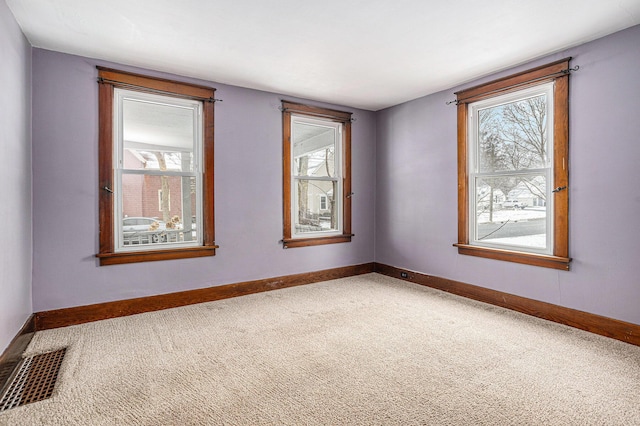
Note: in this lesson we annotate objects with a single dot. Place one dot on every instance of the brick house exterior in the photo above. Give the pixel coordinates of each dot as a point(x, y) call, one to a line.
point(141, 193)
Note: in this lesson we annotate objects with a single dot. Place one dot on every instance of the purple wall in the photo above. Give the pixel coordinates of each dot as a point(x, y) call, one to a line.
point(416, 200)
point(404, 177)
point(248, 185)
point(15, 178)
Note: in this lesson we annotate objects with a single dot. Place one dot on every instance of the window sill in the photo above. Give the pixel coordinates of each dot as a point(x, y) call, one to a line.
point(154, 255)
point(316, 241)
point(545, 261)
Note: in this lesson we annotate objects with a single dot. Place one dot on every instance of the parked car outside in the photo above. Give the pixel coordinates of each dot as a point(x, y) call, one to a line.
point(143, 230)
point(513, 204)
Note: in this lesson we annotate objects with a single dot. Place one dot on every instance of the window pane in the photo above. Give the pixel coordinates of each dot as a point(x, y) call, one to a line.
point(513, 136)
point(512, 211)
point(157, 136)
point(313, 149)
point(155, 210)
point(313, 213)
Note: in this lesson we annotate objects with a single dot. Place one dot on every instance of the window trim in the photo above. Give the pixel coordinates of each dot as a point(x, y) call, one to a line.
point(108, 79)
point(557, 72)
point(289, 108)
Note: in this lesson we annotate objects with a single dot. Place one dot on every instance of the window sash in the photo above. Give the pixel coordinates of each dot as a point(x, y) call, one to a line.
point(475, 174)
point(120, 96)
point(337, 175)
point(474, 223)
point(295, 204)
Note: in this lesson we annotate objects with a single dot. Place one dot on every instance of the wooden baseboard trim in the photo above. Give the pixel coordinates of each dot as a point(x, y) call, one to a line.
point(83, 314)
point(604, 326)
point(13, 354)
point(609, 327)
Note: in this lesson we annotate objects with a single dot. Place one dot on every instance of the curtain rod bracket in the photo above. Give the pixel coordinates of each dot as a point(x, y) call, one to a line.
point(568, 71)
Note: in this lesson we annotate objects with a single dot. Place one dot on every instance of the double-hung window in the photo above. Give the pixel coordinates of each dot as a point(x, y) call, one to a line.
point(317, 176)
point(156, 169)
point(513, 168)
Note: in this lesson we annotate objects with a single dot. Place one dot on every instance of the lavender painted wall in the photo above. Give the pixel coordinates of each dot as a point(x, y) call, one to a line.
point(248, 176)
point(416, 214)
point(15, 175)
point(411, 190)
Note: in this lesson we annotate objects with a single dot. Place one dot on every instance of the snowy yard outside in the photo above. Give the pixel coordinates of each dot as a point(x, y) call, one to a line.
point(514, 215)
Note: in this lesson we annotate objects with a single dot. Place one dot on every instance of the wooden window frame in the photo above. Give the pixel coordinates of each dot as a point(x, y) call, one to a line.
point(558, 73)
point(289, 108)
point(108, 80)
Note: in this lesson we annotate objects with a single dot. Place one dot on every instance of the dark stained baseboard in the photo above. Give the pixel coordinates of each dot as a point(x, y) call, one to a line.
point(609, 327)
point(83, 314)
point(616, 329)
point(13, 354)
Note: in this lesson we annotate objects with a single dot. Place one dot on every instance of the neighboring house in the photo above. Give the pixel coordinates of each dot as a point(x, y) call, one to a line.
point(525, 195)
point(142, 194)
point(320, 195)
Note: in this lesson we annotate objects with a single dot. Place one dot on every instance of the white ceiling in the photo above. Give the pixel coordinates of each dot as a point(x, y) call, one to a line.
point(368, 54)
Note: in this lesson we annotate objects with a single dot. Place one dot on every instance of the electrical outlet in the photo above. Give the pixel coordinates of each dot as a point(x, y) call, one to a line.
point(404, 275)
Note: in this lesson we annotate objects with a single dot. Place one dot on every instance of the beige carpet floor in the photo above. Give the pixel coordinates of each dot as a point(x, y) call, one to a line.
point(366, 350)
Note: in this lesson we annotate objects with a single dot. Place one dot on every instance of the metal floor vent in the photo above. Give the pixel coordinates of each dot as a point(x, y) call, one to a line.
point(34, 380)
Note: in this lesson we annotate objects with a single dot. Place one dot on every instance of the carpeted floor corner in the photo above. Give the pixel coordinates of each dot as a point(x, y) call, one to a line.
point(365, 350)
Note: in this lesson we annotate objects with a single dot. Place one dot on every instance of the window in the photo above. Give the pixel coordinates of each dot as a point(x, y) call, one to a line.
point(155, 140)
point(513, 168)
point(316, 175)
point(323, 203)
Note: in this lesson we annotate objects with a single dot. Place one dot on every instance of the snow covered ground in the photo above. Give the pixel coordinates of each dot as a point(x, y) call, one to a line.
point(514, 215)
point(537, 241)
